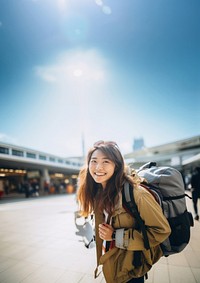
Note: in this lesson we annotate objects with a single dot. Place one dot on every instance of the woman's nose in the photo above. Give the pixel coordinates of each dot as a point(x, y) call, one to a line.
point(99, 166)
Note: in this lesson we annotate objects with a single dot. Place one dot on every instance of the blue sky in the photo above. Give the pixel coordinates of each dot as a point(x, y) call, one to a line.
point(113, 70)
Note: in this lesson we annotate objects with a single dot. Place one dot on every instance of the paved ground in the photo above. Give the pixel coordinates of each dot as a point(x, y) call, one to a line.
point(40, 243)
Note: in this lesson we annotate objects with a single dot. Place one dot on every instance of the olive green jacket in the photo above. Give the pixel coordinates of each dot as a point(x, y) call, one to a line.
point(117, 263)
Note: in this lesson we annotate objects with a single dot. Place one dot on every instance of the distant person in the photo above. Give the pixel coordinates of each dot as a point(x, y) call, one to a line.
point(27, 189)
point(119, 245)
point(46, 187)
point(6, 187)
point(195, 184)
point(35, 186)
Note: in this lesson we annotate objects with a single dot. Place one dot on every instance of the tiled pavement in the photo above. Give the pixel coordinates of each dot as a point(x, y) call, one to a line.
point(40, 243)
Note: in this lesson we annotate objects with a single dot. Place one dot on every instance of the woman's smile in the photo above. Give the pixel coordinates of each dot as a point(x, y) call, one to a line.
point(100, 174)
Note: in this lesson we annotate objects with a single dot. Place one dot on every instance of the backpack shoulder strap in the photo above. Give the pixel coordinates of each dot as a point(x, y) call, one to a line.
point(129, 202)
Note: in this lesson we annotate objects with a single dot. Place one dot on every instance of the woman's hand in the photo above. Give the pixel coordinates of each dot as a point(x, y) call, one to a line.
point(105, 231)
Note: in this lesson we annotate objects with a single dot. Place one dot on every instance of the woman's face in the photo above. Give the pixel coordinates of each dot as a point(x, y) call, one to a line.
point(101, 168)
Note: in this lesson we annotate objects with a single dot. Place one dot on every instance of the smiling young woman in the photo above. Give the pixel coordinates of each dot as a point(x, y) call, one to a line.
point(118, 242)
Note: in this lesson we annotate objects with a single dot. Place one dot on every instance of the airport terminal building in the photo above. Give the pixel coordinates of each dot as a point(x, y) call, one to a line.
point(21, 167)
point(182, 154)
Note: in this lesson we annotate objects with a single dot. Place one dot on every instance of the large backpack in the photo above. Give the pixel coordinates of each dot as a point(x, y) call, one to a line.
point(166, 184)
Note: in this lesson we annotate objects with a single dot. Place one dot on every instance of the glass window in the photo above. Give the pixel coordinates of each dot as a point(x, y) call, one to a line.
point(4, 150)
point(42, 157)
point(30, 155)
point(17, 152)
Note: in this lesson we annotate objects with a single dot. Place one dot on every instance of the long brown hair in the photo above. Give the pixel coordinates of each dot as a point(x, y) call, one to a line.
point(90, 192)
